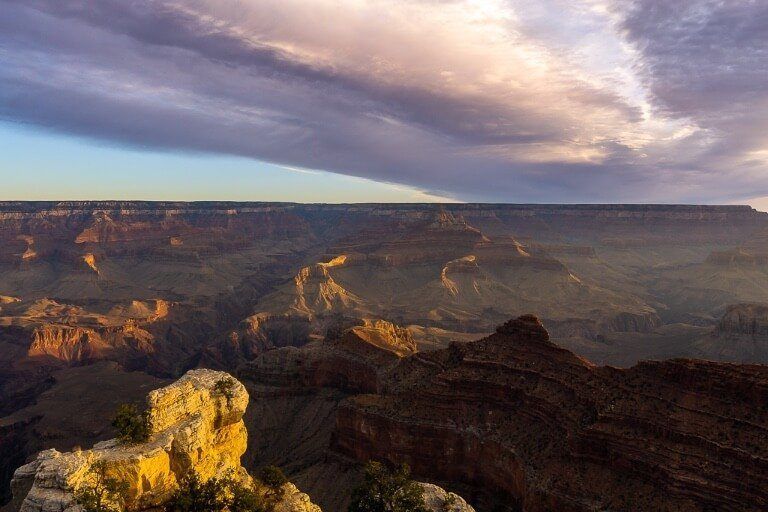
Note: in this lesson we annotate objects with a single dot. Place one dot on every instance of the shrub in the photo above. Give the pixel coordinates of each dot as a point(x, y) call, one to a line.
point(384, 490)
point(225, 387)
point(244, 499)
point(132, 426)
point(274, 478)
point(215, 495)
point(194, 495)
point(105, 494)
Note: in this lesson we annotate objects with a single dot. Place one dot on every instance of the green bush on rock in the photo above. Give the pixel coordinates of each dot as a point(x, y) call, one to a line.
point(104, 494)
point(385, 490)
point(132, 426)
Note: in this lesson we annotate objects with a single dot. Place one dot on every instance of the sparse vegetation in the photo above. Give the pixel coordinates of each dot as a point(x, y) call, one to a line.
point(104, 494)
point(226, 388)
point(385, 490)
point(274, 478)
point(450, 502)
point(194, 495)
point(243, 499)
point(132, 425)
point(227, 494)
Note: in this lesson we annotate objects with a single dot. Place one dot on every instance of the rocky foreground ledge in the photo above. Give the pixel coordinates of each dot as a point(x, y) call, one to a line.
point(194, 427)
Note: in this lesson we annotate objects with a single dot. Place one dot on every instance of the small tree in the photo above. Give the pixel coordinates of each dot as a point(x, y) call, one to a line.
point(132, 426)
point(216, 495)
point(243, 498)
point(194, 495)
point(383, 490)
point(226, 388)
point(274, 478)
point(104, 494)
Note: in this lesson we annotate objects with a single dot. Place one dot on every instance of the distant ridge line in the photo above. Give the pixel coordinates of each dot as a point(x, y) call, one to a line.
point(731, 214)
point(122, 204)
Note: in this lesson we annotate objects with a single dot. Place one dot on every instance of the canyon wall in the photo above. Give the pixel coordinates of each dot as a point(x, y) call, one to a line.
point(516, 416)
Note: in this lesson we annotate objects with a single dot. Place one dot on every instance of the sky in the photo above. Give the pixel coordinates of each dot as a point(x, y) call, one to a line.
point(617, 101)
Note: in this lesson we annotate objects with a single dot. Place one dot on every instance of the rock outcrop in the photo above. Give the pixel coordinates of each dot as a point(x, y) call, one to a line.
point(745, 319)
point(438, 499)
point(354, 359)
point(740, 336)
point(195, 426)
point(376, 336)
point(532, 426)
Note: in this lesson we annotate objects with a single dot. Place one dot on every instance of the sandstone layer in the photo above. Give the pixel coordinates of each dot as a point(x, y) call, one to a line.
point(355, 359)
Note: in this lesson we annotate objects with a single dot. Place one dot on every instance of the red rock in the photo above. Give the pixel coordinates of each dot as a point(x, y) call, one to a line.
point(515, 414)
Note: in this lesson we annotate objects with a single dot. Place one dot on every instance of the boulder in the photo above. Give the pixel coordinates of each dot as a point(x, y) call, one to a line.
point(438, 499)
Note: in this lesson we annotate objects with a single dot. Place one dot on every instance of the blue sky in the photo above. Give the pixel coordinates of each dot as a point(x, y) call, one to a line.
point(40, 165)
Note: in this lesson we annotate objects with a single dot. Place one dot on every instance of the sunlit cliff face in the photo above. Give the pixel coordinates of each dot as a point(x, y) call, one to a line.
point(621, 100)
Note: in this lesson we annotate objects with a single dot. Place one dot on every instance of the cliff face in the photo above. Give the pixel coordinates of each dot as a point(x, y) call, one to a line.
point(745, 319)
point(354, 359)
point(516, 416)
point(65, 343)
point(740, 336)
point(194, 427)
point(42, 336)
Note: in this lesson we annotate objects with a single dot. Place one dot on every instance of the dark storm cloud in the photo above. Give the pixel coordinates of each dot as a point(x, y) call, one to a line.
point(471, 117)
point(702, 58)
point(437, 96)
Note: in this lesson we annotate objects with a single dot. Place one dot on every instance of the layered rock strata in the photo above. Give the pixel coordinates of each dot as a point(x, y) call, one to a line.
point(740, 336)
point(354, 359)
point(537, 428)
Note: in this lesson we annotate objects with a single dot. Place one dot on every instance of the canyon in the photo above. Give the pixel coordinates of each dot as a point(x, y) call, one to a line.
point(354, 329)
point(514, 422)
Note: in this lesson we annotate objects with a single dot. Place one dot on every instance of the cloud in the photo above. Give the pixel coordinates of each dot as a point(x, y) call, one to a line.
point(706, 62)
point(477, 100)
